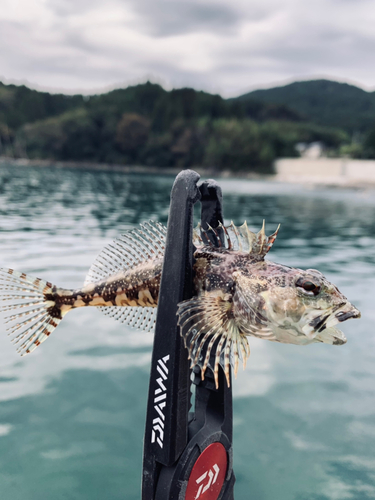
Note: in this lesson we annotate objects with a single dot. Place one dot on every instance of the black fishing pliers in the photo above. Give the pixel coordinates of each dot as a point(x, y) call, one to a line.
point(188, 438)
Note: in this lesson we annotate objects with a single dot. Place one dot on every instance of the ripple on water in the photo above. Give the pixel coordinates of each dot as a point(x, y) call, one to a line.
point(72, 414)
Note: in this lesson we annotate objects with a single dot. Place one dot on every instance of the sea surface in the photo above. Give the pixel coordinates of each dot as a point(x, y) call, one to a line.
point(72, 413)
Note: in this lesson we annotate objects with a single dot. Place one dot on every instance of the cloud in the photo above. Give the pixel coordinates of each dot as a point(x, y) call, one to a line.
point(66, 8)
point(215, 45)
point(171, 17)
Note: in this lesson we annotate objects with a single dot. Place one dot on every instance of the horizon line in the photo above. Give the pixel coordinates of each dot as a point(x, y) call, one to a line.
point(158, 81)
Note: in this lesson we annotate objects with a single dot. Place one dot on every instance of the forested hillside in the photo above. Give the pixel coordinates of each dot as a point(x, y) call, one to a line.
point(147, 125)
point(324, 102)
point(20, 105)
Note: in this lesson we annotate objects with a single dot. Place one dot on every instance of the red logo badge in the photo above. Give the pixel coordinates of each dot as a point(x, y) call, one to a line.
point(208, 474)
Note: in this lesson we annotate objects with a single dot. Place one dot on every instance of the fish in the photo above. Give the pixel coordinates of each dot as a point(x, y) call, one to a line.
point(237, 294)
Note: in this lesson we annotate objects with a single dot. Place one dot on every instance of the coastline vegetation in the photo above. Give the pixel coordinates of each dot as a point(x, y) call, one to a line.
point(147, 125)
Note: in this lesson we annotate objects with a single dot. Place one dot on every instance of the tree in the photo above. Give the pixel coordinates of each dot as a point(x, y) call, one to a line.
point(132, 132)
point(369, 145)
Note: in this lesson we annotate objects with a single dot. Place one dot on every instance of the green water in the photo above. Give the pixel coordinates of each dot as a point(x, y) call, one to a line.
point(72, 413)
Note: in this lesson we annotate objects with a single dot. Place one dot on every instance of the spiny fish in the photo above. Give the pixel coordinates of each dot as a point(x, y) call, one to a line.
point(237, 293)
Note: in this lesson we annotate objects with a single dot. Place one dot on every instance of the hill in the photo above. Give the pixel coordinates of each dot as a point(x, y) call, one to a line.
point(323, 102)
point(20, 105)
point(145, 124)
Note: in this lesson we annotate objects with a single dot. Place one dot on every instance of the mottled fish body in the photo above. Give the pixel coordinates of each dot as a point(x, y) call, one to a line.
point(134, 287)
point(236, 294)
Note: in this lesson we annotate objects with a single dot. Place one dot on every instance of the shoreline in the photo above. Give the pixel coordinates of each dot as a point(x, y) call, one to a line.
point(131, 169)
point(291, 176)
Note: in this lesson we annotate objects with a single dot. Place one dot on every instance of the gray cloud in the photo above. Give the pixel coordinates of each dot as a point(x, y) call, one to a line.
point(66, 8)
point(215, 45)
point(171, 17)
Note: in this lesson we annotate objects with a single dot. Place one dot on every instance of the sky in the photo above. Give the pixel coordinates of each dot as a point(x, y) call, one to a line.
point(222, 46)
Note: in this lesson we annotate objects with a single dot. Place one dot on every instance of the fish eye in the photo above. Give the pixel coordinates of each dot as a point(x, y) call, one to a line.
point(308, 286)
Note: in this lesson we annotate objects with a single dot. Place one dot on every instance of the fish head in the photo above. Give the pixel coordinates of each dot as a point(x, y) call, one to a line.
point(303, 306)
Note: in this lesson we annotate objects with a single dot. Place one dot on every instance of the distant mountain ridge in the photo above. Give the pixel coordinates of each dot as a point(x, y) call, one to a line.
point(323, 102)
point(20, 105)
point(147, 125)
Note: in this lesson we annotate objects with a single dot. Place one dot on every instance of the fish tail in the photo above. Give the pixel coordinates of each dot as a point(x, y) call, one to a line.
point(33, 312)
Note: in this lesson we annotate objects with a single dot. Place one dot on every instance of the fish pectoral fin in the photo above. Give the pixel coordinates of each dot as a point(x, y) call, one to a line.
point(259, 331)
point(211, 334)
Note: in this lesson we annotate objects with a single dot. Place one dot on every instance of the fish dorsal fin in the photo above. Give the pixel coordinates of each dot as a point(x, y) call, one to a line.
point(237, 238)
point(129, 250)
point(126, 251)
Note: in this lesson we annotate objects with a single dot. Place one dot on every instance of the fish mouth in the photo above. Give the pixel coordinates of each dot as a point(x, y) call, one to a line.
point(328, 319)
point(343, 316)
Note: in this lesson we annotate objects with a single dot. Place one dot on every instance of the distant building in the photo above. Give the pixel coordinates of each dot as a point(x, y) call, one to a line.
point(311, 150)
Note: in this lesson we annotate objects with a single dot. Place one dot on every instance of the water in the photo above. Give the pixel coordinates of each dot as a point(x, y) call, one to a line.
point(72, 413)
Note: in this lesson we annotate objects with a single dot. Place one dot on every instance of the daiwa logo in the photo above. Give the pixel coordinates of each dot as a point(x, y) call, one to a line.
point(160, 400)
point(210, 480)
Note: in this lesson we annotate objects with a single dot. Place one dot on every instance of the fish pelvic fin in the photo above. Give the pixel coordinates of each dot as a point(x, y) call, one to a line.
point(33, 313)
point(211, 334)
point(237, 238)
